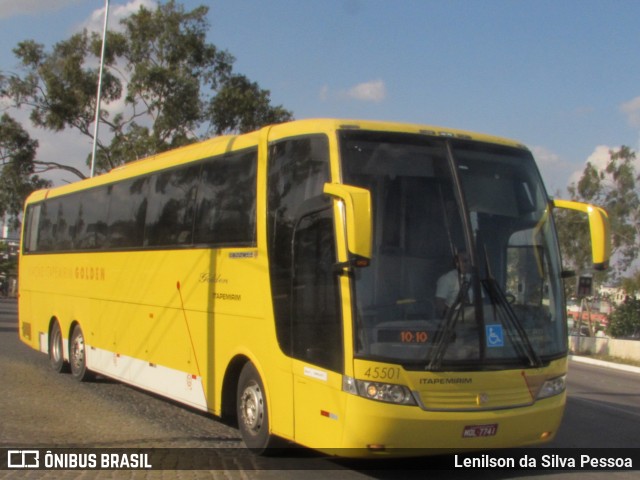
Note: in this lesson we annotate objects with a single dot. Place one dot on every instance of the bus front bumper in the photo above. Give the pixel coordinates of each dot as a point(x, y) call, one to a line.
point(379, 429)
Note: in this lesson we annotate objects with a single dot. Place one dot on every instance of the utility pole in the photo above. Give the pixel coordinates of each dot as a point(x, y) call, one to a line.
point(584, 291)
point(99, 94)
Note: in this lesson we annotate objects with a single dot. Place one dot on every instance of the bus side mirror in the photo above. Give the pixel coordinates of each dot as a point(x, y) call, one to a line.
point(357, 219)
point(598, 227)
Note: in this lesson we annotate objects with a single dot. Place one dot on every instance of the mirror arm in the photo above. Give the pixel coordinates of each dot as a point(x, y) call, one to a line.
point(598, 227)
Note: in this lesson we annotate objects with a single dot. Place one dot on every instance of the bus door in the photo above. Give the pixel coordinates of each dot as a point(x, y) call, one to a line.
point(316, 327)
point(304, 287)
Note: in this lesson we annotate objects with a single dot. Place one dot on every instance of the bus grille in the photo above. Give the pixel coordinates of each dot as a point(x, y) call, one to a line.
point(493, 399)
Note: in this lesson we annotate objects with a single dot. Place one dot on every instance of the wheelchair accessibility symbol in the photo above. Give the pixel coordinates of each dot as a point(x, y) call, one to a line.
point(495, 335)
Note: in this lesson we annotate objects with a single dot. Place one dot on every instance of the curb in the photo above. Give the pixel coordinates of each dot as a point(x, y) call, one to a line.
point(601, 363)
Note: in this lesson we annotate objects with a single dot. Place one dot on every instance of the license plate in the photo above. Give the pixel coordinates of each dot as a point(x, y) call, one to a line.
point(474, 431)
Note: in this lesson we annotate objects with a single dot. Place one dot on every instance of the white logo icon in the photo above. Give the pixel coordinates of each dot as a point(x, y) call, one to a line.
point(23, 459)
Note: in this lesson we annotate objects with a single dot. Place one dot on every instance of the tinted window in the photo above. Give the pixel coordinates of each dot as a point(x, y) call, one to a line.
point(316, 326)
point(91, 224)
point(171, 207)
point(298, 170)
point(30, 241)
point(127, 210)
point(68, 209)
point(226, 213)
point(45, 227)
point(57, 224)
point(211, 202)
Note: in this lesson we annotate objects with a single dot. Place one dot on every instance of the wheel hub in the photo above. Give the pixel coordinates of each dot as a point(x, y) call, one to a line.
point(56, 350)
point(77, 351)
point(252, 407)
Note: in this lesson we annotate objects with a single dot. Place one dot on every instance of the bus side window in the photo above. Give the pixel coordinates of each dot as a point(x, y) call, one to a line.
point(226, 205)
point(127, 211)
point(298, 169)
point(65, 213)
point(31, 228)
point(91, 223)
point(45, 228)
point(171, 207)
point(316, 326)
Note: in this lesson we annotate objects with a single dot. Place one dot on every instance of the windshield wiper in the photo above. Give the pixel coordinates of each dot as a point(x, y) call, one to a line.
point(510, 319)
point(503, 312)
point(447, 332)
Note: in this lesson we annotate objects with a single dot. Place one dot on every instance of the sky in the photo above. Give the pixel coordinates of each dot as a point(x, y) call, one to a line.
point(561, 76)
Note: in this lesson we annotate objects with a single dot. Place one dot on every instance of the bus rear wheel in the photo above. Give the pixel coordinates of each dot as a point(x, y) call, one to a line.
point(56, 349)
point(253, 414)
point(78, 355)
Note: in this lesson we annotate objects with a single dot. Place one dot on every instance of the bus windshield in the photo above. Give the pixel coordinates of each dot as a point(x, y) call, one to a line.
point(465, 267)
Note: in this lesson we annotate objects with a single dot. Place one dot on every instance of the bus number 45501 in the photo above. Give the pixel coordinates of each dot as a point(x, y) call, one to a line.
point(382, 373)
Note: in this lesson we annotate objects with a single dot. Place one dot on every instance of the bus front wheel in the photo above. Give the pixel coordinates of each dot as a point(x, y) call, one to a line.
point(253, 414)
point(78, 355)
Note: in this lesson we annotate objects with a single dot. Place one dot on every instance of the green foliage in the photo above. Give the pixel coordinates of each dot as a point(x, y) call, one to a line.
point(625, 320)
point(573, 231)
point(242, 105)
point(631, 284)
point(615, 189)
point(17, 178)
point(162, 84)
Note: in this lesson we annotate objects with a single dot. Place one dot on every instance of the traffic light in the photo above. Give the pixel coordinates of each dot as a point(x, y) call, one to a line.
point(585, 286)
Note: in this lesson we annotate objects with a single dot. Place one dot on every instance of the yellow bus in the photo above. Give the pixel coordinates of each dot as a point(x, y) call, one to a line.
point(357, 287)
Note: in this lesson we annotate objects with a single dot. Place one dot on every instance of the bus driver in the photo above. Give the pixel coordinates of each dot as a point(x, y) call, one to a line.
point(449, 284)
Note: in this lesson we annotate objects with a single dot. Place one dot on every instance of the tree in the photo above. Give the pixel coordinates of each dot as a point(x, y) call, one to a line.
point(242, 105)
point(625, 320)
point(163, 86)
point(17, 167)
point(631, 284)
point(615, 189)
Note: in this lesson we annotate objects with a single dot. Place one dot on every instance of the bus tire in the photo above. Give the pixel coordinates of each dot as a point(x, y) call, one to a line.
point(78, 355)
point(253, 414)
point(56, 349)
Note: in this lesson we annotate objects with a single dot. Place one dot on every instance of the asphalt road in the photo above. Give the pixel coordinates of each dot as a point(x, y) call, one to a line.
point(42, 409)
point(603, 408)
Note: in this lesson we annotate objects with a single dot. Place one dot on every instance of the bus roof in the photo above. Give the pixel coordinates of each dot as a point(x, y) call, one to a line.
point(431, 130)
point(227, 143)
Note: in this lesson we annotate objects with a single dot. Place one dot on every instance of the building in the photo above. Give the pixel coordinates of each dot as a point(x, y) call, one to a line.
point(615, 295)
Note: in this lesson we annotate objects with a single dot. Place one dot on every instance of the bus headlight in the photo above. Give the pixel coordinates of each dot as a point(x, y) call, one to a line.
point(552, 387)
point(382, 392)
